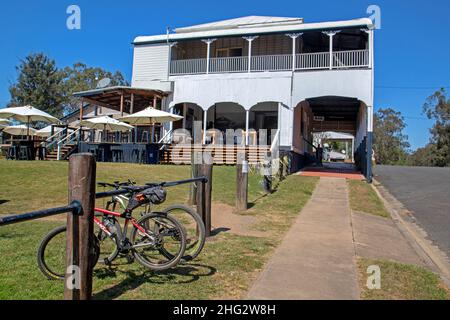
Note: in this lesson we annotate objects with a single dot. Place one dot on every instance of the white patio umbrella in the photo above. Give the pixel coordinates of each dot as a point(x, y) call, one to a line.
point(27, 114)
point(47, 131)
point(21, 130)
point(4, 122)
point(106, 124)
point(150, 116)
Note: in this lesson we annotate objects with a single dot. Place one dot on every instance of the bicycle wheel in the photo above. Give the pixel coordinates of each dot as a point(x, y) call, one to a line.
point(194, 228)
point(109, 250)
point(51, 255)
point(162, 233)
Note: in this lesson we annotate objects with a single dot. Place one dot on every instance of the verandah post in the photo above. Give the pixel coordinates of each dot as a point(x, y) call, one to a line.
point(80, 249)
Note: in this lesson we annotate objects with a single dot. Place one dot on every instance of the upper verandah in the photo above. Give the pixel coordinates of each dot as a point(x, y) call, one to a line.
point(252, 25)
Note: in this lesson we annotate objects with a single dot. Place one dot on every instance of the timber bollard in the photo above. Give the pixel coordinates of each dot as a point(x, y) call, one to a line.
point(204, 195)
point(194, 187)
point(80, 228)
point(242, 183)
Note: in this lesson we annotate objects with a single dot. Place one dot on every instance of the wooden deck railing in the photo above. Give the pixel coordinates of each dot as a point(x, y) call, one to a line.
point(303, 62)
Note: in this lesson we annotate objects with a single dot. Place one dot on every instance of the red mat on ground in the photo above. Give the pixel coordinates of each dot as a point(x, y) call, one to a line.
point(333, 170)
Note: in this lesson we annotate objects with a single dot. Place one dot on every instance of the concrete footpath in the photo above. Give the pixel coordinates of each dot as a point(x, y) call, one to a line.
point(317, 258)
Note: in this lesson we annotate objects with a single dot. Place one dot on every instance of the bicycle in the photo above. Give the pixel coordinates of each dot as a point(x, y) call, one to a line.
point(193, 224)
point(157, 241)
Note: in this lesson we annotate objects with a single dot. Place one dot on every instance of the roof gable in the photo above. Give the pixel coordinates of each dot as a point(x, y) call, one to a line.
point(242, 22)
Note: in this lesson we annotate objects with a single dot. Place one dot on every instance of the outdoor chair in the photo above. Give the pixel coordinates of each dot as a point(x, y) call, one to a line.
point(144, 137)
point(12, 153)
point(117, 155)
point(24, 153)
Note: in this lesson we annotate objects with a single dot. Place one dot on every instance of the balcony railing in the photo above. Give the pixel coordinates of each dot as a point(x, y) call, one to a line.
point(351, 59)
point(232, 64)
point(303, 62)
point(191, 66)
point(272, 63)
point(312, 61)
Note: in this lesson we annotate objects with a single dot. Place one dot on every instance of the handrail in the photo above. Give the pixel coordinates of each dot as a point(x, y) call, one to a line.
point(165, 136)
point(167, 184)
point(310, 143)
point(74, 207)
point(69, 136)
point(58, 157)
point(51, 140)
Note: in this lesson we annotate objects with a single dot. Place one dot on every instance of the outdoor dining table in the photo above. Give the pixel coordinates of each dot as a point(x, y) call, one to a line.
point(143, 153)
point(22, 150)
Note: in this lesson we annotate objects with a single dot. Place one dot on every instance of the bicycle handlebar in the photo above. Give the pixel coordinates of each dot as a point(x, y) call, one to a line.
point(129, 188)
point(180, 182)
point(116, 184)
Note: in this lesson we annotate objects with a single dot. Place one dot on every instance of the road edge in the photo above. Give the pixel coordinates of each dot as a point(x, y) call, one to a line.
point(434, 257)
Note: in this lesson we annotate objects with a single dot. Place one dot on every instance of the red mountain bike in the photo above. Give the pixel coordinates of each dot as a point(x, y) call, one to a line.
point(157, 240)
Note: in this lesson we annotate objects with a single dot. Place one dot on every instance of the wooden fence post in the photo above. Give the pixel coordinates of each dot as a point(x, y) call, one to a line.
point(80, 228)
point(204, 195)
point(242, 183)
point(194, 187)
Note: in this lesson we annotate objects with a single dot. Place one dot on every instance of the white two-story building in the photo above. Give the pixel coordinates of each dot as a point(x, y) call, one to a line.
point(273, 73)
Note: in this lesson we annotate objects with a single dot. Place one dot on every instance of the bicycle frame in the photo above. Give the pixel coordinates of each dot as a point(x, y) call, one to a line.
point(121, 201)
point(118, 215)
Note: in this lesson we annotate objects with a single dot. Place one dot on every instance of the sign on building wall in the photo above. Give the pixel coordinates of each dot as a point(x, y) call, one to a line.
point(319, 119)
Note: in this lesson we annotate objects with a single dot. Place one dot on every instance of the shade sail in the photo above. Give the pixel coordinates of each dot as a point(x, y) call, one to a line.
point(27, 114)
point(21, 130)
point(151, 116)
point(106, 124)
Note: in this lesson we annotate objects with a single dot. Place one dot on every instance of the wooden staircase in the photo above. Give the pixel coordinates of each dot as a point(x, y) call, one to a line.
point(222, 155)
point(66, 150)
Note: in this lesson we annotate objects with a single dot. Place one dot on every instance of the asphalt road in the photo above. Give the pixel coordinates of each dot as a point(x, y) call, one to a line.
point(425, 192)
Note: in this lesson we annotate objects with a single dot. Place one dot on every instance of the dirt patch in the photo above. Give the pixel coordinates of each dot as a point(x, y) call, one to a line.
point(224, 219)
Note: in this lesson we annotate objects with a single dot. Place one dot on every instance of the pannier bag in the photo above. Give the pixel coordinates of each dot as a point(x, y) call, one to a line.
point(154, 195)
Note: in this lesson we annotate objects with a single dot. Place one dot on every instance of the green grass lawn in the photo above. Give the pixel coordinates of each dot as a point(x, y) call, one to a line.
point(364, 199)
point(19, 179)
point(402, 282)
point(225, 269)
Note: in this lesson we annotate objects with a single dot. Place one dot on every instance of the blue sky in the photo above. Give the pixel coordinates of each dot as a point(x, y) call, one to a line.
point(412, 48)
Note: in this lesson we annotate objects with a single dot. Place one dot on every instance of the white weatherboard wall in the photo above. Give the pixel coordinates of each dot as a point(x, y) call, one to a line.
point(340, 83)
point(151, 66)
point(246, 90)
point(286, 88)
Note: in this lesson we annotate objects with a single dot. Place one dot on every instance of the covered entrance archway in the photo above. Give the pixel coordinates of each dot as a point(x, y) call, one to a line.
point(343, 115)
point(185, 130)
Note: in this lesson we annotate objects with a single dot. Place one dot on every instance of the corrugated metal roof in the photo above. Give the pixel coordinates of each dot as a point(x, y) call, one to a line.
point(243, 22)
point(256, 29)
